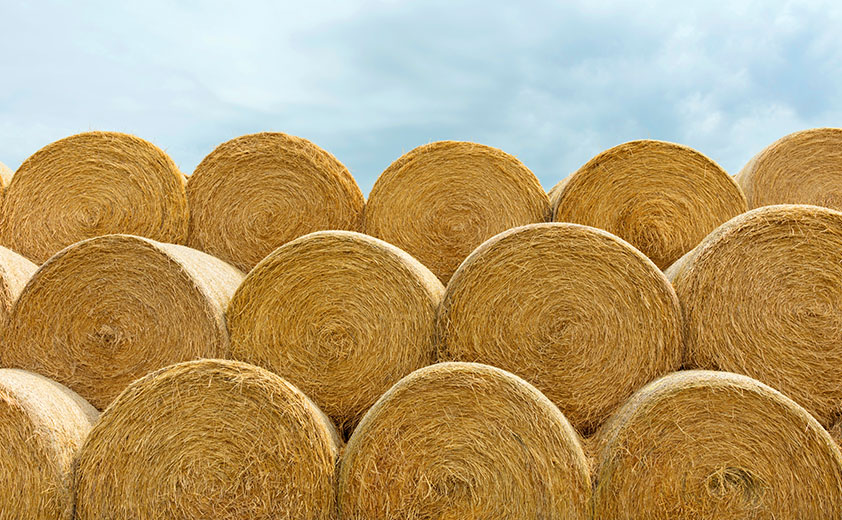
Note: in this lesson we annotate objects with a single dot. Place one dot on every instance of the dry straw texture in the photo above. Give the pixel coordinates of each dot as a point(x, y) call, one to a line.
point(663, 198)
point(572, 309)
point(700, 445)
point(15, 271)
point(463, 441)
point(341, 315)
point(440, 201)
point(762, 296)
point(42, 426)
point(110, 309)
point(800, 168)
point(93, 184)
point(257, 192)
point(209, 439)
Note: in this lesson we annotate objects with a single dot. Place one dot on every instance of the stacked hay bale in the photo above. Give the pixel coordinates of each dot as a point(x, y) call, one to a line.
point(663, 198)
point(257, 192)
point(209, 439)
point(93, 184)
point(15, 271)
point(440, 201)
point(107, 310)
point(462, 440)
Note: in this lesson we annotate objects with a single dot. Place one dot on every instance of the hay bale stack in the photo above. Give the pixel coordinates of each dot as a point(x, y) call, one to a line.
point(463, 440)
point(800, 168)
point(762, 296)
point(110, 309)
point(663, 198)
point(341, 315)
point(209, 439)
point(712, 445)
point(574, 310)
point(440, 201)
point(15, 271)
point(93, 184)
point(257, 192)
point(42, 426)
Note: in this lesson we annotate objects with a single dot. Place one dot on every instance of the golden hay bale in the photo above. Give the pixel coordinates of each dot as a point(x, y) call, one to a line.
point(209, 439)
point(663, 198)
point(257, 192)
point(800, 168)
point(341, 315)
point(42, 426)
point(574, 310)
point(105, 311)
point(762, 296)
point(462, 441)
point(712, 445)
point(441, 200)
point(93, 184)
point(15, 271)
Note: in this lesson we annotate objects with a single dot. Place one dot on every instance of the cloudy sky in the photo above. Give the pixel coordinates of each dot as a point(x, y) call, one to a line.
point(553, 83)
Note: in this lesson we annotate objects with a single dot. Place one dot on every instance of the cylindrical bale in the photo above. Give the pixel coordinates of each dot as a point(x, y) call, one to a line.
point(341, 315)
point(572, 309)
point(440, 201)
point(42, 427)
point(209, 439)
point(93, 184)
point(107, 310)
point(663, 198)
point(700, 445)
point(257, 192)
point(762, 296)
point(15, 271)
point(800, 168)
point(463, 440)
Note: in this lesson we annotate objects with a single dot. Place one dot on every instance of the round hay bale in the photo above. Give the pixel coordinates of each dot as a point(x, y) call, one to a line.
point(463, 440)
point(209, 439)
point(42, 426)
point(441, 200)
point(107, 310)
point(712, 445)
point(800, 168)
point(341, 315)
point(762, 296)
point(15, 271)
point(574, 310)
point(257, 192)
point(93, 184)
point(663, 198)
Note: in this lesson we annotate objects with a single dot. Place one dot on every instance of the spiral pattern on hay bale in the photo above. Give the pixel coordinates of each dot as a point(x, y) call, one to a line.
point(15, 271)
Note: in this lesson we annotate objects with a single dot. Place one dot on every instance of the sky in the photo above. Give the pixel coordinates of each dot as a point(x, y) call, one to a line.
point(553, 83)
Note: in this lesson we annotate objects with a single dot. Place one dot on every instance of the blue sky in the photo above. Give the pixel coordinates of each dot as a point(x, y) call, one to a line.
point(553, 83)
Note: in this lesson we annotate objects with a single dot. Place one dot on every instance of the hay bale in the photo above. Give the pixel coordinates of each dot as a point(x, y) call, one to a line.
point(712, 445)
point(257, 192)
point(93, 184)
point(463, 440)
point(15, 271)
point(574, 310)
point(441, 200)
point(800, 168)
point(341, 315)
point(663, 198)
point(209, 439)
point(762, 296)
point(42, 426)
point(105, 311)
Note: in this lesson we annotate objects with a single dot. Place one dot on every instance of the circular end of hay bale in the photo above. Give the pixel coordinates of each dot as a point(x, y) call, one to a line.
point(92, 184)
point(440, 201)
point(801, 168)
point(105, 311)
point(341, 315)
point(15, 271)
point(574, 310)
point(762, 296)
point(42, 426)
point(463, 440)
point(257, 192)
point(663, 198)
point(713, 445)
